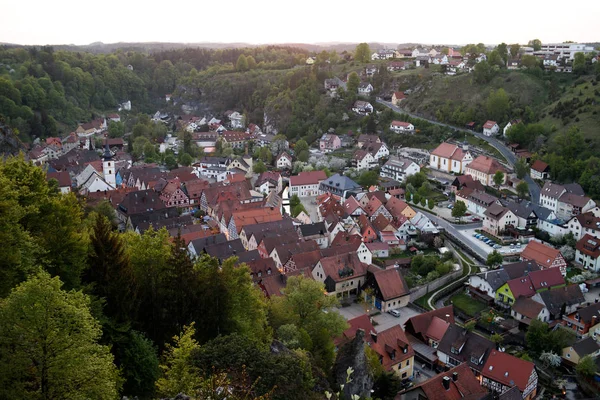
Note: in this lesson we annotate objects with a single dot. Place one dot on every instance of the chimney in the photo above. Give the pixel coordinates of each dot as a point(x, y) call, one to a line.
point(374, 336)
point(446, 383)
point(455, 376)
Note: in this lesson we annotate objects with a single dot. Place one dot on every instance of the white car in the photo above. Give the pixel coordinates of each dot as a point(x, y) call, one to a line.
point(395, 313)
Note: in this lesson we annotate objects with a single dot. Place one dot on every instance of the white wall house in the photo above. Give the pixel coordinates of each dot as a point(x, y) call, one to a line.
point(450, 158)
point(490, 128)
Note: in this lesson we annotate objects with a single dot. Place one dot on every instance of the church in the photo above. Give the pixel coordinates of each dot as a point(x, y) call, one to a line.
point(98, 176)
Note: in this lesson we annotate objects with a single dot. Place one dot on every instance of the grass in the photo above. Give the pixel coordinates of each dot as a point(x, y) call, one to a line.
point(467, 304)
point(482, 144)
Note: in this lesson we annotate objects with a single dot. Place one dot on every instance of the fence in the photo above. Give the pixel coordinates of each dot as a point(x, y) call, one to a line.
point(421, 291)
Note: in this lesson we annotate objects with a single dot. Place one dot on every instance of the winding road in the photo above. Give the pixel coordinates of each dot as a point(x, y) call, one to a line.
point(511, 158)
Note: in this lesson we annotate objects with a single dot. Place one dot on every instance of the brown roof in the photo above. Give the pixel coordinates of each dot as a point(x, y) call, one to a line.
point(360, 154)
point(508, 370)
point(589, 245)
point(485, 164)
point(351, 205)
point(546, 278)
point(401, 124)
point(391, 283)
point(445, 150)
point(256, 216)
point(373, 205)
point(381, 222)
point(419, 323)
point(489, 124)
point(495, 211)
point(540, 253)
point(539, 166)
point(308, 178)
point(63, 178)
point(464, 387)
point(395, 207)
point(527, 307)
point(362, 322)
point(588, 221)
point(304, 260)
point(391, 345)
point(573, 199)
point(437, 328)
point(336, 266)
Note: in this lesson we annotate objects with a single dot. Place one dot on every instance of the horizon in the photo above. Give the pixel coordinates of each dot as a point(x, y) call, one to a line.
point(68, 22)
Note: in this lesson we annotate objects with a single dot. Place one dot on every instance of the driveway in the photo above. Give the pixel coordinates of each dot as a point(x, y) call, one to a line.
point(382, 321)
point(511, 158)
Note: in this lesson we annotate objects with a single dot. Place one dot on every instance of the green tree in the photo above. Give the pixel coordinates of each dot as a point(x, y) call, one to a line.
point(49, 345)
point(522, 189)
point(502, 49)
point(138, 361)
point(430, 204)
point(251, 62)
point(483, 72)
point(587, 367)
point(116, 129)
point(353, 83)
point(459, 209)
point(536, 44)
point(303, 156)
point(186, 160)
point(494, 259)
point(521, 167)
point(514, 50)
point(171, 161)
point(530, 61)
point(497, 338)
point(368, 178)
point(470, 326)
point(499, 178)
point(179, 375)
point(259, 167)
point(498, 105)
point(579, 64)
point(417, 180)
point(362, 53)
point(241, 64)
point(301, 146)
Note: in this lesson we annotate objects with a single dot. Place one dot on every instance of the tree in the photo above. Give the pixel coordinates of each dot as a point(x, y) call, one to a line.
point(303, 156)
point(430, 204)
point(470, 326)
point(300, 146)
point(522, 189)
point(483, 72)
point(138, 361)
point(171, 161)
point(498, 105)
point(459, 209)
point(499, 178)
point(579, 64)
point(521, 167)
point(251, 62)
point(353, 83)
point(550, 359)
point(259, 167)
point(241, 64)
point(502, 49)
point(110, 272)
point(539, 338)
point(186, 160)
point(514, 50)
point(536, 44)
point(567, 252)
point(362, 53)
point(116, 129)
point(417, 180)
point(529, 61)
point(497, 338)
point(49, 344)
point(179, 375)
point(494, 259)
point(586, 367)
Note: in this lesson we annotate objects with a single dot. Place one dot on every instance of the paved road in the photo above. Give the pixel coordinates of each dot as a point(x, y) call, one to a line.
point(511, 158)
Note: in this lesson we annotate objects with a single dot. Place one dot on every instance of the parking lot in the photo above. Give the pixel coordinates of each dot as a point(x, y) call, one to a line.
point(469, 235)
point(382, 321)
point(310, 203)
point(442, 210)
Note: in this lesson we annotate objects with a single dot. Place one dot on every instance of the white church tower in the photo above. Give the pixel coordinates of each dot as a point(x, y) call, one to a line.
point(108, 168)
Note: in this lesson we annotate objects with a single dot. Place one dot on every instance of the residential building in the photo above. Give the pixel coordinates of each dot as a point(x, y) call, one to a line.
point(490, 128)
point(477, 202)
point(235, 139)
point(458, 346)
point(283, 161)
point(388, 287)
point(268, 181)
point(588, 252)
point(306, 184)
point(525, 212)
point(497, 218)
point(419, 325)
point(365, 141)
point(466, 181)
point(63, 180)
point(483, 168)
point(509, 125)
point(316, 232)
point(545, 256)
point(173, 194)
point(450, 158)
point(365, 89)
point(339, 185)
point(343, 275)
point(397, 97)
point(362, 107)
point(394, 351)
point(236, 119)
point(377, 150)
point(539, 170)
point(363, 160)
point(573, 354)
point(584, 224)
point(565, 200)
point(502, 371)
point(399, 168)
point(457, 383)
point(401, 126)
point(567, 50)
point(582, 319)
point(329, 142)
point(526, 310)
point(561, 300)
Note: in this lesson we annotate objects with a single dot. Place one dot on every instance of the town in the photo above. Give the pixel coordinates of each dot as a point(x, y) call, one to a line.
point(458, 258)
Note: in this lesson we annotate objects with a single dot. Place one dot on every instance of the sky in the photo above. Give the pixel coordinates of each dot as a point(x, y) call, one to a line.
point(79, 22)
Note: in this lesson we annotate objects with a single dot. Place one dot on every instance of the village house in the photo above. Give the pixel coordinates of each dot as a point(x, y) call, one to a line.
point(582, 224)
point(235, 139)
point(483, 168)
point(397, 97)
point(236, 120)
point(362, 107)
point(401, 126)
point(339, 185)
point(399, 169)
point(450, 158)
point(420, 326)
point(268, 181)
point(329, 142)
point(365, 89)
point(572, 355)
point(343, 275)
point(490, 128)
point(306, 184)
point(378, 150)
point(539, 170)
point(583, 319)
point(283, 161)
point(394, 351)
point(466, 181)
point(477, 201)
point(588, 252)
point(509, 125)
point(363, 160)
point(388, 287)
point(63, 180)
point(241, 165)
point(173, 195)
point(545, 256)
point(316, 232)
point(455, 384)
point(502, 371)
point(458, 346)
point(560, 301)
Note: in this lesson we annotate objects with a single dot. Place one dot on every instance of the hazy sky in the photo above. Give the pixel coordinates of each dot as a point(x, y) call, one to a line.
point(305, 21)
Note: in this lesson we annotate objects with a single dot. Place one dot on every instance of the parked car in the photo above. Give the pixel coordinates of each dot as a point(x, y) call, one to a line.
point(475, 234)
point(395, 313)
point(450, 206)
point(475, 219)
point(518, 245)
point(497, 246)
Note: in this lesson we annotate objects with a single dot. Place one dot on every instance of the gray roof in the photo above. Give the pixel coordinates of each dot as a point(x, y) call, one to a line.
point(574, 188)
point(495, 278)
point(554, 299)
point(511, 394)
point(313, 229)
point(340, 182)
point(519, 269)
point(552, 190)
point(201, 243)
point(473, 345)
point(586, 346)
point(522, 210)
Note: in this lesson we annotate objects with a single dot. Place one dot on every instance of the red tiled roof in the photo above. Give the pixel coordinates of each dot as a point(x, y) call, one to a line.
point(589, 245)
point(540, 253)
point(489, 124)
point(380, 222)
point(308, 178)
point(521, 287)
point(437, 328)
point(399, 95)
point(351, 205)
point(334, 264)
point(546, 278)
point(401, 124)
point(391, 283)
point(391, 343)
point(257, 216)
point(539, 166)
point(63, 178)
point(527, 307)
point(466, 386)
point(362, 322)
point(395, 206)
point(444, 150)
point(421, 322)
point(485, 164)
point(508, 370)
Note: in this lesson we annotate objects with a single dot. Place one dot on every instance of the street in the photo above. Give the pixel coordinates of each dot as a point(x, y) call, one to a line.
point(382, 321)
point(511, 158)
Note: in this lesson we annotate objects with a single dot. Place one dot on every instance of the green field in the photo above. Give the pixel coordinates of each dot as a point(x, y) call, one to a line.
point(467, 304)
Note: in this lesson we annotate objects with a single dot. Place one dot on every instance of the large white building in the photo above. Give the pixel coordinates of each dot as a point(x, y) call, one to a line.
point(306, 184)
point(450, 158)
point(565, 49)
point(399, 168)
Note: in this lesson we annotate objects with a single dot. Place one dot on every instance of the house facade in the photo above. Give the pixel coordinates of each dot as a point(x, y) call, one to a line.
point(490, 128)
point(450, 158)
point(306, 184)
point(399, 169)
point(483, 169)
point(401, 126)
